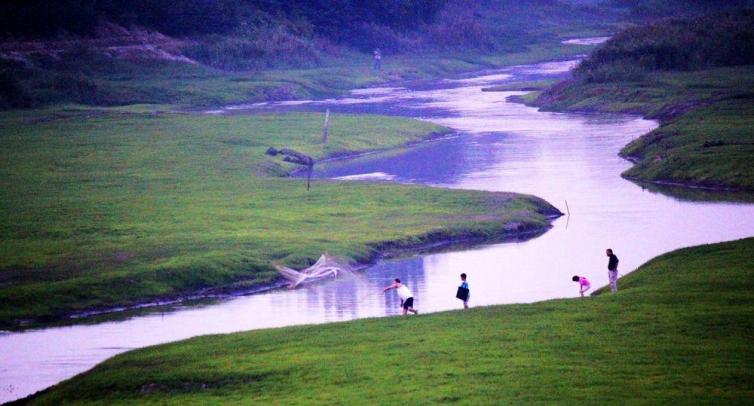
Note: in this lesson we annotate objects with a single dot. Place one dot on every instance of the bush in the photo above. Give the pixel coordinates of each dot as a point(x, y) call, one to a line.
point(723, 39)
point(276, 47)
point(12, 92)
point(65, 87)
point(368, 36)
point(615, 72)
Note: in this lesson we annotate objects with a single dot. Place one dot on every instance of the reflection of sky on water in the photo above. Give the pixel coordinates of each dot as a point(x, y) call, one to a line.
point(561, 157)
point(586, 41)
point(503, 147)
point(417, 99)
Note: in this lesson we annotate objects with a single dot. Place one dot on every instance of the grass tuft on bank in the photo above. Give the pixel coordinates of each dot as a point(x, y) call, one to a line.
point(678, 331)
point(110, 207)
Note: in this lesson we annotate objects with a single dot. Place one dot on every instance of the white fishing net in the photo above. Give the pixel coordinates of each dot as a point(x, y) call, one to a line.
point(326, 266)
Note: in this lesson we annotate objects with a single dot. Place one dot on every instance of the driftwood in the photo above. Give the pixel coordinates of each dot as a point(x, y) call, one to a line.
point(291, 156)
point(326, 126)
point(295, 157)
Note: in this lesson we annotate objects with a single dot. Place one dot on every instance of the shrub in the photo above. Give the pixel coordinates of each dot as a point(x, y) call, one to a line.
point(368, 36)
point(723, 39)
point(65, 87)
point(461, 30)
point(12, 92)
point(276, 47)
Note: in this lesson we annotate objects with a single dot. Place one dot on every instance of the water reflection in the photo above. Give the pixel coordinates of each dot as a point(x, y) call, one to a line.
point(586, 41)
point(697, 194)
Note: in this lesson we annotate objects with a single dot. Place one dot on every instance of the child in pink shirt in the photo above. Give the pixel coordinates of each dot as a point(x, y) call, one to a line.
point(584, 284)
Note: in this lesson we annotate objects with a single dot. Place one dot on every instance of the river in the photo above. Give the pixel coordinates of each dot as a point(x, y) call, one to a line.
point(500, 146)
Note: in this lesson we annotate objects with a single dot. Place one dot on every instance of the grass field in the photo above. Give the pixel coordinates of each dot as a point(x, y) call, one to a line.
point(105, 207)
point(678, 331)
point(707, 132)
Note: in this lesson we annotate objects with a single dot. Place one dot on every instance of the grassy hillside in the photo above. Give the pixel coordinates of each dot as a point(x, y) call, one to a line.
point(109, 207)
point(696, 77)
point(117, 52)
point(86, 77)
point(678, 331)
point(219, 51)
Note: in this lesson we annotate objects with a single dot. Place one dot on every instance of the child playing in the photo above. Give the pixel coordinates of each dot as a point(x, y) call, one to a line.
point(465, 285)
point(584, 284)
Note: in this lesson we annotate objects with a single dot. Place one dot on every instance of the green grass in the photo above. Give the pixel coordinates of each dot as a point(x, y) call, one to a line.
point(97, 80)
point(104, 207)
point(534, 86)
point(707, 132)
point(710, 146)
point(678, 331)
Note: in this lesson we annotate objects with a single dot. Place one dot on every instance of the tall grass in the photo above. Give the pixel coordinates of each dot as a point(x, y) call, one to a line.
point(270, 47)
point(721, 39)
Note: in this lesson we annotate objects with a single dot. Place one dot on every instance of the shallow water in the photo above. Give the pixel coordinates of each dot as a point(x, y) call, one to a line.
point(586, 41)
point(500, 146)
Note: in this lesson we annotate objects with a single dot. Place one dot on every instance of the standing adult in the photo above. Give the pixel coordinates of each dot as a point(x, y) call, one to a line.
point(407, 298)
point(612, 270)
point(377, 60)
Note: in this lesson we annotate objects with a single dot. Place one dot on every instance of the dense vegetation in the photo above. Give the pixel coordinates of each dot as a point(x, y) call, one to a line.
point(715, 40)
point(650, 9)
point(109, 207)
point(112, 52)
point(99, 52)
point(679, 331)
point(393, 25)
point(344, 21)
point(337, 19)
point(695, 76)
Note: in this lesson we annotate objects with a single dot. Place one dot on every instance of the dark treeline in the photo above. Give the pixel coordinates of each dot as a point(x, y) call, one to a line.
point(340, 20)
point(253, 35)
point(334, 19)
point(664, 8)
point(721, 39)
point(392, 24)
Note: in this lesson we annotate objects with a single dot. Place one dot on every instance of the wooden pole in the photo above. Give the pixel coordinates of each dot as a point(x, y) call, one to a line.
point(309, 177)
point(325, 127)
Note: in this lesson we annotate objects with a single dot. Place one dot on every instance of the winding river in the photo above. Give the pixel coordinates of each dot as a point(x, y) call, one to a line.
point(500, 146)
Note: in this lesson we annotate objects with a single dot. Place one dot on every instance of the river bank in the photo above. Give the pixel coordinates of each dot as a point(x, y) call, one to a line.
point(688, 74)
point(435, 241)
point(684, 315)
point(505, 146)
point(119, 208)
point(704, 140)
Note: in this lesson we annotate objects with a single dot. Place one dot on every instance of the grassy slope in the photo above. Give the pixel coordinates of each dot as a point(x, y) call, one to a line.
point(463, 37)
point(679, 330)
point(712, 106)
point(120, 82)
point(106, 207)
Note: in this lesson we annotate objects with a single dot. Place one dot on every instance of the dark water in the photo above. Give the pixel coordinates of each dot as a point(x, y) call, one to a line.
point(500, 146)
